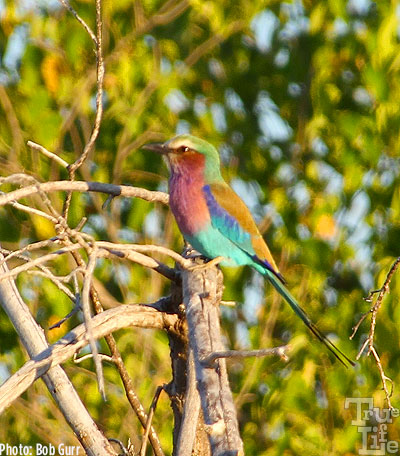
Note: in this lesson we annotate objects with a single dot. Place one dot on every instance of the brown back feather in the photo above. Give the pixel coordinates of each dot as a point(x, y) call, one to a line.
point(235, 206)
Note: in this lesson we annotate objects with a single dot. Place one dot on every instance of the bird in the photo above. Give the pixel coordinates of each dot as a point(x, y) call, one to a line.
point(215, 221)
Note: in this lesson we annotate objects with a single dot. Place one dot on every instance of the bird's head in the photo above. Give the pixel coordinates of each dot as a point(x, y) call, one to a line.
point(186, 152)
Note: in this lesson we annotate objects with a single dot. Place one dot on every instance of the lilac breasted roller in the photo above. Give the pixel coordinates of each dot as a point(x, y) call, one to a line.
point(216, 222)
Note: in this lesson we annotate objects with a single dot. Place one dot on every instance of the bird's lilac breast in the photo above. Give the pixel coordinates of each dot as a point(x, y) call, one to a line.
point(187, 202)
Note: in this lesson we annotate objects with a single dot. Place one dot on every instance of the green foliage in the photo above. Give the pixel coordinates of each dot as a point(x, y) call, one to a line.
point(303, 101)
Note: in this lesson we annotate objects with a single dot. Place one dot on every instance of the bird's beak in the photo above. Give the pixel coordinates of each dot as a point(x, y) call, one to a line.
point(160, 148)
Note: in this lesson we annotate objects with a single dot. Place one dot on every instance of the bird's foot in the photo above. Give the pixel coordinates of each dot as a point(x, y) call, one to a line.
point(210, 263)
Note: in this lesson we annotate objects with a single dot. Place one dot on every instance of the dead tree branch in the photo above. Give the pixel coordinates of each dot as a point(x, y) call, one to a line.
point(57, 382)
point(124, 316)
point(202, 289)
point(133, 399)
point(369, 342)
point(47, 153)
point(81, 186)
point(275, 351)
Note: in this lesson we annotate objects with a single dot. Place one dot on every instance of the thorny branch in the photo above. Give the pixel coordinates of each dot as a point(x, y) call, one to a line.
point(369, 341)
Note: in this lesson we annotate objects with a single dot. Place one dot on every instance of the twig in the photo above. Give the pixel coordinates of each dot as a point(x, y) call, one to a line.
point(47, 274)
point(228, 303)
point(144, 260)
point(49, 154)
point(76, 309)
point(67, 278)
point(382, 292)
point(125, 452)
point(101, 356)
point(126, 380)
point(132, 396)
point(146, 249)
point(99, 94)
point(98, 41)
point(276, 351)
point(363, 346)
point(81, 224)
point(38, 261)
point(44, 271)
point(28, 248)
point(23, 179)
point(81, 186)
point(149, 419)
point(32, 210)
point(79, 19)
point(355, 327)
point(374, 309)
point(88, 321)
point(123, 251)
point(384, 378)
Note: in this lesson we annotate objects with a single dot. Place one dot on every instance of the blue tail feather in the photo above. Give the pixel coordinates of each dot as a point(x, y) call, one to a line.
point(284, 292)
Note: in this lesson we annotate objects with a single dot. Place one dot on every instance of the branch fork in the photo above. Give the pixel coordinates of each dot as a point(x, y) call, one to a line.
point(369, 341)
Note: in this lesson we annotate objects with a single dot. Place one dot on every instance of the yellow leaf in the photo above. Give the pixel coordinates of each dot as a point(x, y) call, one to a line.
point(312, 170)
point(43, 227)
point(51, 68)
point(387, 47)
point(309, 371)
point(326, 227)
point(56, 333)
point(333, 93)
point(317, 19)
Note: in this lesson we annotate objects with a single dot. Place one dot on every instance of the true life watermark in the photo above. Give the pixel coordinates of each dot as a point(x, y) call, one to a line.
point(372, 423)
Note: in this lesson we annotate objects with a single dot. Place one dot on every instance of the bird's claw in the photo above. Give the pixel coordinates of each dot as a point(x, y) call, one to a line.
point(210, 263)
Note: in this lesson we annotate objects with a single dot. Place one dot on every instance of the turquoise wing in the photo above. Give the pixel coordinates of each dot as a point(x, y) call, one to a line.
point(233, 219)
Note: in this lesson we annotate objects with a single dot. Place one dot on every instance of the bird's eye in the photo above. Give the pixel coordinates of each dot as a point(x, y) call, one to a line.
point(183, 149)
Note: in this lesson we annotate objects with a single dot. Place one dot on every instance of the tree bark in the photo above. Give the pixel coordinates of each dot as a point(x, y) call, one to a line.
point(202, 291)
point(189, 436)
